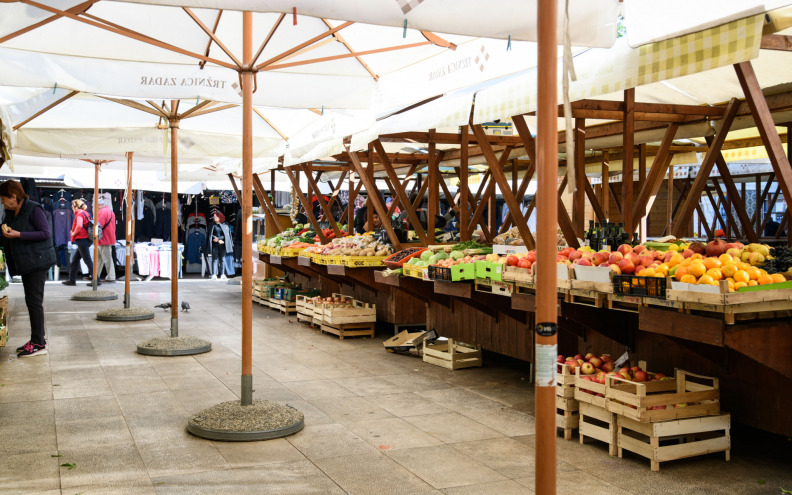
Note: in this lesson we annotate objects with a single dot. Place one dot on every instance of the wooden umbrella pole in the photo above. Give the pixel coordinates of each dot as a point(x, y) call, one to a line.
point(128, 267)
point(95, 280)
point(247, 209)
point(174, 240)
point(547, 221)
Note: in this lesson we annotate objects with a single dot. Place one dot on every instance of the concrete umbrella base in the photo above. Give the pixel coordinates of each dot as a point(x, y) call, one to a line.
point(125, 314)
point(95, 295)
point(174, 346)
point(233, 422)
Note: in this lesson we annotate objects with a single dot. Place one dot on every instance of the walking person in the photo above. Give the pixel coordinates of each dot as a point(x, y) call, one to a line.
point(30, 254)
point(217, 242)
point(79, 236)
point(107, 221)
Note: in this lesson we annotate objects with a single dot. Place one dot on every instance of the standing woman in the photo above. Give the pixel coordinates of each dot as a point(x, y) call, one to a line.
point(217, 241)
point(79, 236)
point(29, 253)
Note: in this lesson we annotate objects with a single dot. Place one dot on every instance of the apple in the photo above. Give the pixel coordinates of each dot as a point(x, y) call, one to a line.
point(624, 249)
point(587, 368)
point(578, 356)
point(659, 376)
point(560, 359)
point(583, 262)
point(597, 362)
point(615, 258)
point(615, 269)
point(580, 361)
point(641, 376)
point(572, 365)
point(588, 356)
point(636, 260)
point(640, 248)
point(606, 358)
point(625, 375)
point(635, 369)
point(575, 255)
point(646, 260)
point(668, 256)
point(626, 266)
point(687, 253)
point(600, 258)
point(607, 367)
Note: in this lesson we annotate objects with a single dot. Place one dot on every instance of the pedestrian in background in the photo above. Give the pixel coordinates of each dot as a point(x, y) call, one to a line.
point(79, 236)
point(30, 254)
point(107, 221)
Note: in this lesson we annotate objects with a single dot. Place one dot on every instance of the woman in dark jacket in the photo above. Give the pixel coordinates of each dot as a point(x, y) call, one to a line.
point(218, 243)
point(29, 253)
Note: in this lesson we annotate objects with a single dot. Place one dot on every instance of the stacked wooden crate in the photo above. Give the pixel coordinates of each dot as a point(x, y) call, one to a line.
point(567, 408)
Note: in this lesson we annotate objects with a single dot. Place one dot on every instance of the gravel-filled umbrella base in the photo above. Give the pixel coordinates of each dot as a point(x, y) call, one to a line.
point(174, 346)
point(125, 314)
point(95, 295)
point(233, 422)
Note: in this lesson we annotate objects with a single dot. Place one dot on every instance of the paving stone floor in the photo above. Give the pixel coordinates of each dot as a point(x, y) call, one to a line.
point(376, 423)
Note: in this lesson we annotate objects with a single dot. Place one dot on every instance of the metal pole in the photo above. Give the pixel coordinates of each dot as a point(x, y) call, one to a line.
point(95, 280)
point(546, 248)
point(128, 267)
point(174, 240)
point(247, 208)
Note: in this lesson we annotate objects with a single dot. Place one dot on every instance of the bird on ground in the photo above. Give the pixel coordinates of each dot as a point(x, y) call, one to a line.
point(164, 306)
point(185, 306)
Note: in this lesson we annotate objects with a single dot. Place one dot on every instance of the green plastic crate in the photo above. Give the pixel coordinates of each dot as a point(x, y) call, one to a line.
point(490, 270)
point(456, 273)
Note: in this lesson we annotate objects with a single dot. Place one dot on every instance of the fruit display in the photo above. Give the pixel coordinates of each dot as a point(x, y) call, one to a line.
point(356, 245)
point(289, 237)
point(396, 260)
point(780, 261)
point(444, 260)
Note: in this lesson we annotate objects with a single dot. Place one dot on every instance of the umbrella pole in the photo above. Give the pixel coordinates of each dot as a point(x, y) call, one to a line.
point(128, 265)
point(247, 209)
point(95, 280)
point(174, 241)
point(547, 210)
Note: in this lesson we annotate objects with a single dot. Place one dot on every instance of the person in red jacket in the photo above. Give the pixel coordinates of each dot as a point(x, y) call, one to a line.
point(79, 236)
point(107, 221)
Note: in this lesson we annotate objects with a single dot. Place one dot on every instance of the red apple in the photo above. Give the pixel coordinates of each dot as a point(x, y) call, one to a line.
point(600, 258)
point(615, 258)
point(625, 375)
point(668, 256)
point(575, 255)
point(615, 269)
point(636, 260)
point(626, 266)
point(687, 253)
point(646, 260)
point(583, 262)
point(606, 358)
point(587, 368)
point(560, 359)
point(658, 376)
point(572, 365)
point(588, 356)
point(640, 248)
point(580, 361)
point(578, 356)
point(641, 376)
point(597, 362)
point(635, 368)
point(624, 249)
point(607, 367)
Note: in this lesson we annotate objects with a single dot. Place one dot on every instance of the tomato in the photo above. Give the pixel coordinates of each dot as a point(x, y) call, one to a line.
point(512, 260)
point(524, 263)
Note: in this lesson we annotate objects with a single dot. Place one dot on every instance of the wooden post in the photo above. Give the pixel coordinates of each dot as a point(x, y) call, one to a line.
point(670, 199)
point(605, 200)
point(464, 191)
point(95, 279)
point(434, 196)
point(129, 238)
point(247, 210)
point(579, 198)
point(173, 122)
point(351, 204)
point(370, 172)
point(547, 219)
point(627, 160)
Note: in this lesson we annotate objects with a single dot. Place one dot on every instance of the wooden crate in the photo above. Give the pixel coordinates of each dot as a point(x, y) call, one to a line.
point(360, 313)
point(567, 416)
point(452, 355)
point(514, 274)
point(586, 297)
point(625, 303)
point(638, 401)
point(285, 307)
point(3, 321)
point(494, 287)
point(677, 439)
point(598, 423)
point(592, 278)
point(589, 392)
point(732, 305)
point(349, 329)
point(565, 382)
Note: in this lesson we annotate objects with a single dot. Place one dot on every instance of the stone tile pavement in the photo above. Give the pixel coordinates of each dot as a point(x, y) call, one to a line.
point(376, 423)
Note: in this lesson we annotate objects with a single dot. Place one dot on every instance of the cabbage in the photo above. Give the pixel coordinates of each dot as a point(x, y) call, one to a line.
point(426, 255)
point(457, 254)
point(441, 256)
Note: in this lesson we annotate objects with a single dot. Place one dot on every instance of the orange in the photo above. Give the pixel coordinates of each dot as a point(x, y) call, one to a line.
point(680, 272)
point(741, 276)
point(725, 258)
point(647, 272)
point(696, 256)
point(697, 269)
point(765, 279)
point(715, 273)
point(688, 279)
point(741, 265)
point(778, 278)
point(676, 259)
point(740, 285)
point(729, 269)
point(731, 285)
point(753, 272)
point(762, 271)
point(686, 262)
point(662, 269)
point(712, 263)
point(706, 280)
point(752, 283)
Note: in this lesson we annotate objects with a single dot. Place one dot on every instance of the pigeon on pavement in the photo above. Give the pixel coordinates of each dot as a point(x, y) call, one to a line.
point(164, 306)
point(185, 306)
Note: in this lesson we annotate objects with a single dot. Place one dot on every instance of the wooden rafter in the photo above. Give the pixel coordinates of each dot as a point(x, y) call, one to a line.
point(776, 42)
point(341, 40)
point(488, 192)
point(769, 214)
point(209, 43)
point(77, 9)
point(299, 47)
point(266, 204)
point(434, 196)
point(336, 190)
point(705, 169)
point(628, 140)
point(339, 57)
point(615, 199)
point(211, 34)
point(530, 149)
point(236, 189)
point(579, 195)
point(305, 204)
point(604, 189)
point(437, 40)
point(595, 204)
point(347, 211)
point(739, 206)
point(496, 168)
point(265, 119)
point(375, 198)
point(397, 202)
point(678, 202)
point(108, 26)
point(760, 200)
point(206, 111)
point(464, 233)
point(137, 106)
point(724, 200)
point(45, 109)
point(322, 203)
point(196, 108)
point(716, 207)
point(657, 171)
point(268, 38)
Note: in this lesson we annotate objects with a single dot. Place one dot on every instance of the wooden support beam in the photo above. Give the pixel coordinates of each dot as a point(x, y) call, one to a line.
point(731, 190)
point(398, 190)
point(709, 231)
point(670, 195)
point(464, 191)
point(654, 180)
point(268, 38)
point(766, 127)
point(311, 41)
point(374, 198)
point(77, 9)
point(677, 204)
point(716, 207)
point(731, 225)
point(782, 225)
point(488, 192)
point(45, 109)
point(496, 169)
point(627, 162)
point(434, 190)
point(776, 42)
point(770, 207)
point(322, 203)
point(482, 187)
point(604, 189)
point(595, 204)
point(566, 225)
point(706, 168)
point(306, 204)
point(266, 204)
point(579, 195)
point(202, 63)
point(341, 40)
point(336, 190)
point(520, 194)
point(615, 199)
point(236, 189)
point(212, 36)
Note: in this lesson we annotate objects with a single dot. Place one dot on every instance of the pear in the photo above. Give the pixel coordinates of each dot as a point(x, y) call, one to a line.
point(756, 259)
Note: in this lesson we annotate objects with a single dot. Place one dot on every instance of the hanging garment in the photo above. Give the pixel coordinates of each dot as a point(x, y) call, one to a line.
point(62, 219)
point(196, 238)
point(139, 205)
point(162, 225)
